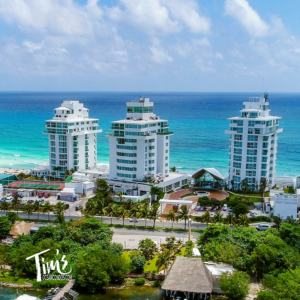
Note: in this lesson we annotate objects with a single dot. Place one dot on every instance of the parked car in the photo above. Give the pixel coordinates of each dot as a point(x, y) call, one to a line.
point(41, 201)
point(66, 206)
point(212, 214)
point(230, 209)
point(263, 227)
point(133, 220)
point(3, 199)
point(9, 199)
point(225, 207)
point(15, 193)
point(20, 196)
point(41, 195)
point(8, 195)
point(47, 195)
point(253, 214)
point(78, 207)
point(23, 201)
point(30, 201)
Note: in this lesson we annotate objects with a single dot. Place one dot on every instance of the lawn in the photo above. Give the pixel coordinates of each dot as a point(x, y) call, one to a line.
point(150, 265)
point(186, 195)
point(9, 278)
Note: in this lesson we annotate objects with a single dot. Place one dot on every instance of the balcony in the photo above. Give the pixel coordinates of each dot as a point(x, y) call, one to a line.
point(75, 144)
point(164, 133)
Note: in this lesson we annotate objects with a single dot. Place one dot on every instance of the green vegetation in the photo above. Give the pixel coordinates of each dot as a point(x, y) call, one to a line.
point(140, 281)
point(187, 195)
point(271, 256)
point(235, 285)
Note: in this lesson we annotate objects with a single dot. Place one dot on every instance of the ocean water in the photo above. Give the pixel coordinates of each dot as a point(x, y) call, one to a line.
point(198, 121)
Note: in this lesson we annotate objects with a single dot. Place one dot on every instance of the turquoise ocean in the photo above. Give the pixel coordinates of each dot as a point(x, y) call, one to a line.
point(198, 121)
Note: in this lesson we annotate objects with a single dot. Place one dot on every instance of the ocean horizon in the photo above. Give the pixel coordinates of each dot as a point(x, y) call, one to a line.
point(198, 120)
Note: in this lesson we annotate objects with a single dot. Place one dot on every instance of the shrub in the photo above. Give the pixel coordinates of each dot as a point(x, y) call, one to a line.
point(138, 263)
point(49, 283)
point(236, 285)
point(157, 283)
point(260, 218)
point(140, 281)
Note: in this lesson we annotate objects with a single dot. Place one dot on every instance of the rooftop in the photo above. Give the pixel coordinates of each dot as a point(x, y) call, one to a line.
point(189, 275)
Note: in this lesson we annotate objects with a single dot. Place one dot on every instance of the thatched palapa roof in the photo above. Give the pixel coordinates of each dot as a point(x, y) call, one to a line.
point(21, 227)
point(189, 275)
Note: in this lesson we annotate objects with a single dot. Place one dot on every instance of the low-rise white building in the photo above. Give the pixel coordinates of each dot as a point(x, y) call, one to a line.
point(82, 183)
point(284, 182)
point(40, 171)
point(285, 205)
point(1, 190)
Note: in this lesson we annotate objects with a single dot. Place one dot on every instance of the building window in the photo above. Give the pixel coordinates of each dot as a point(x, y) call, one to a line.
point(52, 137)
point(166, 164)
point(52, 149)
point(166, 158)
point(167, 151)
point(237, 151)
point(52, 143)
point(53, 155)
point(151, 169)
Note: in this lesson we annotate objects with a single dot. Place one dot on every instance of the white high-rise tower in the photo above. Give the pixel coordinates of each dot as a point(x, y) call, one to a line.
point(139, 145)
point(253, 144)
point(72, 138)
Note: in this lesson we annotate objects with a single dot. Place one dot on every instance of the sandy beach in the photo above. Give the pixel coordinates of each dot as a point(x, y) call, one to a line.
point(13, 171)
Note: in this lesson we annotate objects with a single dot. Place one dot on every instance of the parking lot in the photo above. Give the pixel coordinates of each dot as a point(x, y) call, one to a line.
point(71, 211)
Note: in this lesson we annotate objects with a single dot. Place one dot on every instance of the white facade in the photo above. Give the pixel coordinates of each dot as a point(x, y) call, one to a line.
point(1, 191)
point(285, 205)
point(139, 145)
point(40, 171)
point(72, 138)
point(253, 144)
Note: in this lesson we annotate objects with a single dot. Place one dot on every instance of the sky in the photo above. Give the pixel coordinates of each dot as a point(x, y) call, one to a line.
point(150, 45)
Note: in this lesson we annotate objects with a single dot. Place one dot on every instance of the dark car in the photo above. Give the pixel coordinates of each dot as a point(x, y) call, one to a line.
point(41, 201)
point(20, 196)
point(2, 200)
point(78, 207)
point(30, 201)
point(66, 206)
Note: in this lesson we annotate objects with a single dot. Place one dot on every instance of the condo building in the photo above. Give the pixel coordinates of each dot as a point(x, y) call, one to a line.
point(72, 138)
point(253, 144)
point(139, 144)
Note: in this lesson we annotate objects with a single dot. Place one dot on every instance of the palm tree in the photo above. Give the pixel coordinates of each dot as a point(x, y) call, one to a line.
point(243, 221)
point(183, 214)
point(156, 191)
point(56, 169)
point(111, 210)
point(28, 208)
point(244, 185)
point(277, 221)
point(60, 210)
point(229, 218)
point(5, 206)
point(163, 260)
point(120, 196)
point(206, 217)
point(218, 218)
point(154, 213)
point(37, 208)
point(263, 185)
point(232, 184)
point(47, 209)
point(122, 213)
point(291, 220)
point(144, 212)
point(134, 211)
point(172, 216)
point(16, 203)
point(173, 169)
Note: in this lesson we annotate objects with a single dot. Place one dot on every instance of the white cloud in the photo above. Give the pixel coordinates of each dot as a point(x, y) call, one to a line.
point(160, 56)
point(161, 16)
point(247, 16)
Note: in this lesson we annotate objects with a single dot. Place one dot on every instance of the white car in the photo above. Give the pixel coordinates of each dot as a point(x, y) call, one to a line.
point(9, 199)
point(8, 195)
point(212, 214)
point(225, 207)
point(133, 220)
point(263, 227)
point(253, 214)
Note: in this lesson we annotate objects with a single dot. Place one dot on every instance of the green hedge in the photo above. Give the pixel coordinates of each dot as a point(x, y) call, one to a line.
point(140, 281)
